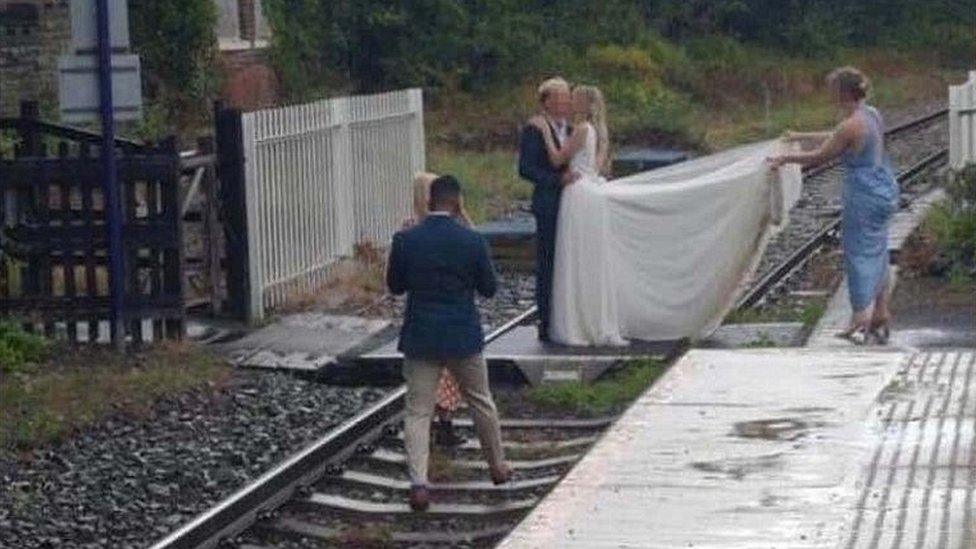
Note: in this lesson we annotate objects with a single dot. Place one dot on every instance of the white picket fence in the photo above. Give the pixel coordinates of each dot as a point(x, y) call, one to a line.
point(962, 123)
point(322, 177)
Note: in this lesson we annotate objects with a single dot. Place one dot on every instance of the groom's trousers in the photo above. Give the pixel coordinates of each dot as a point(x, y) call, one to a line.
point(545, 260)
point(422, 377)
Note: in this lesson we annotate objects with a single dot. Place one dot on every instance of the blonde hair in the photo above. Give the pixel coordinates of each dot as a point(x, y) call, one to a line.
point(596, 114)
point(551, 85)
point(850, 82)
point(421, 199)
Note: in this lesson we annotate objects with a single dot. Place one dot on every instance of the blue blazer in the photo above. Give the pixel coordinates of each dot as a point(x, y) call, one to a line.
point(440, 265)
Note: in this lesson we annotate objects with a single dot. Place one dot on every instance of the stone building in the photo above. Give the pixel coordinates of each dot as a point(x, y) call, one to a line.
point(34, 33)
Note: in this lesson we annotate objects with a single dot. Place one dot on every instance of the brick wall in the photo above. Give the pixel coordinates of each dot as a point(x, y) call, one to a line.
point(248, 81)
point(33, 33)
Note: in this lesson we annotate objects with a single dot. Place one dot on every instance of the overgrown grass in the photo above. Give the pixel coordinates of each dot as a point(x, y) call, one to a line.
point(808, 314)
point(707, 94)
point(490, 180)
point(77, 388)
point(608, 395)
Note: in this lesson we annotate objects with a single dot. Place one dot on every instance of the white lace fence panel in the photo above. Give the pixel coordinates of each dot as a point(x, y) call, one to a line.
point(322, 177)
point(962, 123)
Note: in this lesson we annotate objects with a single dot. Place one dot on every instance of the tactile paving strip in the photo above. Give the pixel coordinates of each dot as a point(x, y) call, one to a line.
point(918, 486)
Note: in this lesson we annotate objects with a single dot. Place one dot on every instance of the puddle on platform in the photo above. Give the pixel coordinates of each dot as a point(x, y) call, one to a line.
point(740, 468)
point(783, 429)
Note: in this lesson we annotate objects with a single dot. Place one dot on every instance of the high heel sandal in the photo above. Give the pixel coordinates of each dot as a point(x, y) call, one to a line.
point(857, 336)
point(881, 332)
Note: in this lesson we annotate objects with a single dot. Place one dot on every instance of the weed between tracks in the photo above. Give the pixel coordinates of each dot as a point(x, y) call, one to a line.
point(605, 396)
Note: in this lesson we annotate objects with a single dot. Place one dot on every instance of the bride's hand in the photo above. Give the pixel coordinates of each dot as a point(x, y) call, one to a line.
point(539, 122)
point(775, 162)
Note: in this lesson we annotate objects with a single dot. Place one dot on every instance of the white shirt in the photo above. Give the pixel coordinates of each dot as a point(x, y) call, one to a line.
point(562, 131)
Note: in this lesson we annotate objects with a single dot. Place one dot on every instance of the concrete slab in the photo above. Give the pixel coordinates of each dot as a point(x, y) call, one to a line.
point(777, 448)
point(304, 341)
point(539, 362)
point(763, 334)
point(904, 223)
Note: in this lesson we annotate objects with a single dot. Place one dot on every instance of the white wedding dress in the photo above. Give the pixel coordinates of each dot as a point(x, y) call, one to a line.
point(663, 255)
point(584, 297)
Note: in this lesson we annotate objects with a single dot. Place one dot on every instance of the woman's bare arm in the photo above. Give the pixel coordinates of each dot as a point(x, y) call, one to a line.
point(834, 145)
point(807, 140)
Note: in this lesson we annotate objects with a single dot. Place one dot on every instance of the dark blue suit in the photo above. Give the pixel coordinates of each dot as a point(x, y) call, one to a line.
point(534, 165)
point(440, 264)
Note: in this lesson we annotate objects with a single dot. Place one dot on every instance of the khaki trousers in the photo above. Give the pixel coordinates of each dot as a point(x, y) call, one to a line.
point(422, 377)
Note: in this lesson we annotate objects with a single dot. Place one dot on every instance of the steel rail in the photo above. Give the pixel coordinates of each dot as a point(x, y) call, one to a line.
point(240, 510)
point(815, 171)
point(804, 252)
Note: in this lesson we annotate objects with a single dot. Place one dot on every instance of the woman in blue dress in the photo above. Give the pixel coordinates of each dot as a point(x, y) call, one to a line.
point(870, 198)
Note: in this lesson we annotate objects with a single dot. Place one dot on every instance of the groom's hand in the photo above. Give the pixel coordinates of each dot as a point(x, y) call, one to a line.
point(569, 177)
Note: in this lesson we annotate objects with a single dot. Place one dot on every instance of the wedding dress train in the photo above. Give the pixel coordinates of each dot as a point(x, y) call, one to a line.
point(663, 255)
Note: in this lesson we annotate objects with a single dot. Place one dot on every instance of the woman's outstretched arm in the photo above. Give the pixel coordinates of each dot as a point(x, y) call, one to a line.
point(807, 140)
point(834, 145)
point(558, 157)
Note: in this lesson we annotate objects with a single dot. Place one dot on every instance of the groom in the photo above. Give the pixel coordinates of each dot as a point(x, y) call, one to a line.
point(440, 264)
point(556, 104)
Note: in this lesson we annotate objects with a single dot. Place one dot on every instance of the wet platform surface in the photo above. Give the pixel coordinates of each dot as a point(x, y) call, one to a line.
point(780, 448)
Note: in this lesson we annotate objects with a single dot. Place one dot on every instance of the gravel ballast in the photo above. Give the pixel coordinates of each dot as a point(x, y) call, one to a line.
point(130, 481)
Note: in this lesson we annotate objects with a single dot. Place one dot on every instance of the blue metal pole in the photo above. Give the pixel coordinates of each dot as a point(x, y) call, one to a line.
point(113, 206)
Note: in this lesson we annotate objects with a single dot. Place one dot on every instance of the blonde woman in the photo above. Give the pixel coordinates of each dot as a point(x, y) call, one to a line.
point(448, 390)
point(584, 298)
point(870, 198)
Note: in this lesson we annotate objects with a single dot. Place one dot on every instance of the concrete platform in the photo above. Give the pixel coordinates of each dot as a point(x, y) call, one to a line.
point(779, 448)
point(519, 352)
point(304, 341)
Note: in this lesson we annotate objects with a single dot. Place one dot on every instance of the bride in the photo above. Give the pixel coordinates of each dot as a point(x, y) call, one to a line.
point(584, 292)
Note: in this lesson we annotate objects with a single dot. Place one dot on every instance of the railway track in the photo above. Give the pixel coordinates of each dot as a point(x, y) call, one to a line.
point(349, 488)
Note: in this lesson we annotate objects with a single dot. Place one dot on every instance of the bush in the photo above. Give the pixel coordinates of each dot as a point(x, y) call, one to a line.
point(177, 45)
point(637, 109)
point(953, 223)
point(18, 349)
point(608, 63)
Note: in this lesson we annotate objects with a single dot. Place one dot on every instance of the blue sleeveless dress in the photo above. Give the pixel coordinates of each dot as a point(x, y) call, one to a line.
point(870, 198)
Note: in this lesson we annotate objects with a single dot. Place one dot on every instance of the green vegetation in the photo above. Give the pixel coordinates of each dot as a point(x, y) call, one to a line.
point(176, 42)
point(45, 401)
point(953, 226)
point(490, 180)
point(667, 66)
point(809, 313)
point(608, 395)
point(19, 350)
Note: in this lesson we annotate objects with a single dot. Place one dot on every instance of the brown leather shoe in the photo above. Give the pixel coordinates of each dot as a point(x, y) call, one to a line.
point(502, 474)
point(419, 498)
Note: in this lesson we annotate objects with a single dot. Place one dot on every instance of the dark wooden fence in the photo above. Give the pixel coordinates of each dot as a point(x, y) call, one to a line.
point(54, 275)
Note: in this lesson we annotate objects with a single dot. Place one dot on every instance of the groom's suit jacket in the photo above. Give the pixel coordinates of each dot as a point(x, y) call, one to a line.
point(534, 166)
point(440, 265)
